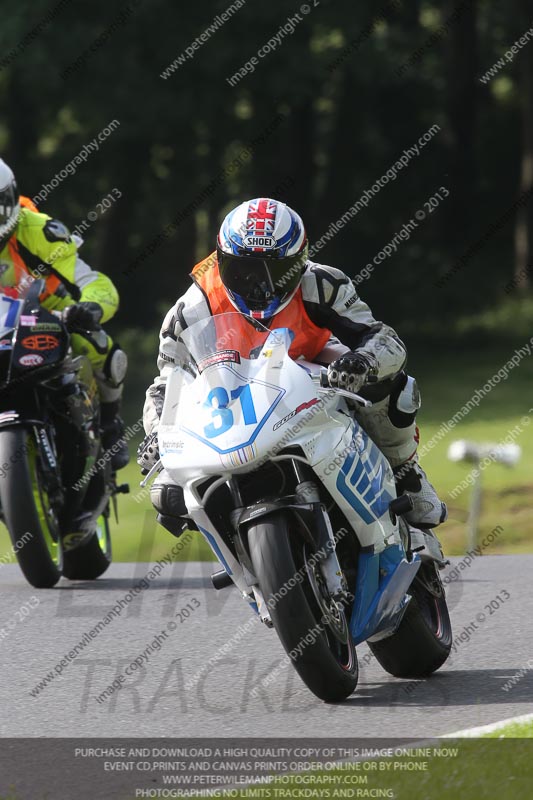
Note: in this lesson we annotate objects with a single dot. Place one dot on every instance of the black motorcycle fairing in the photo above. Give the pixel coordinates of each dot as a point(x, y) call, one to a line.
point(40, 342)
point(43, 388)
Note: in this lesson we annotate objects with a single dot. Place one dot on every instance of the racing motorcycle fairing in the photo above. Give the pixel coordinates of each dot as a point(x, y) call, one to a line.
point(239, 406)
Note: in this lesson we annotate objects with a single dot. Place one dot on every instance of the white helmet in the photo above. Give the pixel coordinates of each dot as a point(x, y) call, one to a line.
point(9, 203)
point(262, 253)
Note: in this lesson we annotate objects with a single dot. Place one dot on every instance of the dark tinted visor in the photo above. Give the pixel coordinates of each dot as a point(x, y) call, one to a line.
point(259, 280)
point(8, 200)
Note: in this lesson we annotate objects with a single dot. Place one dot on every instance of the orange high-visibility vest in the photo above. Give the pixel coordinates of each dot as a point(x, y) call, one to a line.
point(25, 202)
point(308, 340)
point(51, 281)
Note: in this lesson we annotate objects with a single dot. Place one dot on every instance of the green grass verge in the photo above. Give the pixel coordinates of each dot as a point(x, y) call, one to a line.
point(515, 730)
point(476, 769)
point(507, 492)
point(138, 537)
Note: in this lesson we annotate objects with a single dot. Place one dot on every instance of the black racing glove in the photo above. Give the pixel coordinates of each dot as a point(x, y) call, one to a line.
point(352, 370)
point(84, 316)
point(148, 453)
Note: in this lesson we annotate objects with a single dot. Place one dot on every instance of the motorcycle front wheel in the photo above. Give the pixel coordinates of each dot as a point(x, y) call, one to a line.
point(91, 558)
point(314, 632)
point(27, 511)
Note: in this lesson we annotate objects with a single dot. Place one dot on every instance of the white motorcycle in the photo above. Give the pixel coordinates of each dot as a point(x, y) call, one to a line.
point(300, 507)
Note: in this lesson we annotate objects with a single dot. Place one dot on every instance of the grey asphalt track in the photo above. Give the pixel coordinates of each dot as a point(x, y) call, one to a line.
point(174, 695)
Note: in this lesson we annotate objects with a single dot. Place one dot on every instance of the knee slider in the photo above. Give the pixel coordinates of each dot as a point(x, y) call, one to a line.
point(116, 366)
point(98, 339)
point(404, 402)
point(168, 500)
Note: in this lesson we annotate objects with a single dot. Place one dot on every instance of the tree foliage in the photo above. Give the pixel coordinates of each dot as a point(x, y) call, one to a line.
point(348, 109)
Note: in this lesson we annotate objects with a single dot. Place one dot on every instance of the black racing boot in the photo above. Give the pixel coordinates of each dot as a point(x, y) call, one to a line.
point(112, 430)
point(169, 502)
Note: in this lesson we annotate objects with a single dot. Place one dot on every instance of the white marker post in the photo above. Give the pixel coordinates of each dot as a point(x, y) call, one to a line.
point(473, 453)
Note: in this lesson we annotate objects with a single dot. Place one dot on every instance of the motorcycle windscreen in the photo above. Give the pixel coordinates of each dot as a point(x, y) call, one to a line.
point(224, 337)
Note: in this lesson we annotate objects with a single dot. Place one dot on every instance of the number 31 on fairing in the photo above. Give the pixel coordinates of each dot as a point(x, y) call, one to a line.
point(234, 411)
point(222, 416)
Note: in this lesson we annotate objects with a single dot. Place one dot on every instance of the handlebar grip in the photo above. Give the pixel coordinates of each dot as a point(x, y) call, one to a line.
point(324, 378)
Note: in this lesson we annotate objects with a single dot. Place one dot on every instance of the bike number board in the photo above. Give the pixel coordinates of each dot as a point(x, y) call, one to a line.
point(232, 415)
point(9, 311)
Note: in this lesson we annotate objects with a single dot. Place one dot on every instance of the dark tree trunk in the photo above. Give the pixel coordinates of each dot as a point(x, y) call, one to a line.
point(301, 171)
point(24, 129)
point(462, 113)
point(523, 239)
point(339, 189)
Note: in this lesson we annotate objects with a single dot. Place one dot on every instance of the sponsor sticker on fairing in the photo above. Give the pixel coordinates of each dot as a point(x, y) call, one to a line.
point(46, 326)
point(174, 445)
point(218, 358)
point(301, 407)
point(40, 341)
point(31, 360)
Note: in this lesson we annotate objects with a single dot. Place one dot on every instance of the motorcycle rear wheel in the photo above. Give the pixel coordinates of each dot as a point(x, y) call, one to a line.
point(423, 640)
point(327, 666)
point(27, 510)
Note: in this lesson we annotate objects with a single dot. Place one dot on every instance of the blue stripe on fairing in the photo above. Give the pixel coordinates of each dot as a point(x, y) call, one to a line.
point(380, 595)
point(369, 457)
point(363, 482)
point(365, 590)
point(211, 539)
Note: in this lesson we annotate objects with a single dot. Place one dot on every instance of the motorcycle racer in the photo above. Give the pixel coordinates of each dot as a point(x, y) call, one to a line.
point(33, 244)
point(261, 268)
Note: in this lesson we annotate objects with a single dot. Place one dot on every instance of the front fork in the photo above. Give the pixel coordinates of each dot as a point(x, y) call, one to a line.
point(48, 460)
point(329, 565)
point(319, 535)
point(325, 558)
